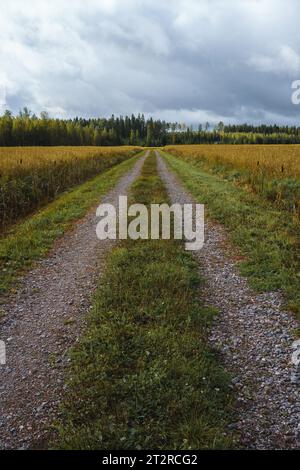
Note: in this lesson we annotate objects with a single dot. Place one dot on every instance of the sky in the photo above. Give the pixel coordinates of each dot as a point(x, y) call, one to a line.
point(189, 61)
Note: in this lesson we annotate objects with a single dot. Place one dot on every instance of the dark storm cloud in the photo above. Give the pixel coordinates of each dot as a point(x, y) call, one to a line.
point(188, 60)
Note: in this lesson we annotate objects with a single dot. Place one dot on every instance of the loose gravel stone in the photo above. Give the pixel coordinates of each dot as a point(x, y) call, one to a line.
point(254, 333)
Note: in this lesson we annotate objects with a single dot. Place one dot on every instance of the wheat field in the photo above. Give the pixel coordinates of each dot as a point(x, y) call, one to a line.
point(32, 176)
point(16, 160)
point(273, 171)
point(277, 161)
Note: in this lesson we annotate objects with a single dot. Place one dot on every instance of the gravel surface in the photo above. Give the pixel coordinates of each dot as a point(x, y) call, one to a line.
point(42, 321)
point(254, 335)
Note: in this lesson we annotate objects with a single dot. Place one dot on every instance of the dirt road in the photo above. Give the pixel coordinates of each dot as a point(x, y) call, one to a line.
point(42, 321)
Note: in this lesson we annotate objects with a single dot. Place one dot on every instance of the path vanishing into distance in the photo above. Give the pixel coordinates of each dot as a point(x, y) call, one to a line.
point(45, 317)
point(254, 335)
point(43, 320)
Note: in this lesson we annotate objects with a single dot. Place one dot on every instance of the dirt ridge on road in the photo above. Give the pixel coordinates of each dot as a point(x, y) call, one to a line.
point(43, 320)
point(254, 334)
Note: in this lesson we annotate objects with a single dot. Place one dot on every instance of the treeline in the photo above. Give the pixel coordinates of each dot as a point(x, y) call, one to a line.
point(261, 129)
point(217, 137)
point(27, 129)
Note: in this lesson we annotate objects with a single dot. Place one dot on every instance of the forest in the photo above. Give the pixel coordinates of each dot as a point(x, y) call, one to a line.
point(27, 129)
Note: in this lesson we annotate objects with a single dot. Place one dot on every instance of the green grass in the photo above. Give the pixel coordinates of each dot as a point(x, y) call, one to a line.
point(267, 236)
point(143, 375)
point(32, 239)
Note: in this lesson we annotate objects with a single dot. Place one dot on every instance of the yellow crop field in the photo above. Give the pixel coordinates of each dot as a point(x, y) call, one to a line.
point(277, 161)
point(273, 171)
point(31, 176)
point(16, 160)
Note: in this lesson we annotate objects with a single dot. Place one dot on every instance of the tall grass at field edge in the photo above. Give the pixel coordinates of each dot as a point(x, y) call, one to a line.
point(31, 178)
point(272, 171)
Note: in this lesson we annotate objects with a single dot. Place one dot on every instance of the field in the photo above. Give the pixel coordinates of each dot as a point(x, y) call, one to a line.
point(32, 176)
point(271, 170)
point(276, 161)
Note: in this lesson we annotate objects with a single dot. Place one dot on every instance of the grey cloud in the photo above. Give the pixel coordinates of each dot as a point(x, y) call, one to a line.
point(186, 60)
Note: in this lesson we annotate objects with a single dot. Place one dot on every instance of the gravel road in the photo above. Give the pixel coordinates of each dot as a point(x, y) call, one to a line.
point(254, 334)
point(43, 319)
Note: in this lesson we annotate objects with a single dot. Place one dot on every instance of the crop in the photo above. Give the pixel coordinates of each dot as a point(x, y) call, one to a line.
point(32, 176)
point(273, 171)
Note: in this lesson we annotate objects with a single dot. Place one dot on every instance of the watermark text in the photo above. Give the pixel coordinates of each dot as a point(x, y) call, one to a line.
point(181, 221)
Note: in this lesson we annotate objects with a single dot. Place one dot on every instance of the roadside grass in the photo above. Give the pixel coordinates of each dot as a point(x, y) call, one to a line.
point(268, 237)
point(31, 239)
point(143, 375)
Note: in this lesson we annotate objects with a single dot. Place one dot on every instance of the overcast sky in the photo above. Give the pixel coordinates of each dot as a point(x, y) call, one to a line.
point(184, 60)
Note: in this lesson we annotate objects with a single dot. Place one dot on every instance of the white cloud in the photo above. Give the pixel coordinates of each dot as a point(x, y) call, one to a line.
point(286, 62)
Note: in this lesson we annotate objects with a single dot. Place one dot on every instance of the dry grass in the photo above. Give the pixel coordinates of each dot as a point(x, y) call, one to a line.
point(14, 160)
point(273, 171)
point(278, 161)
point(33, 176)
